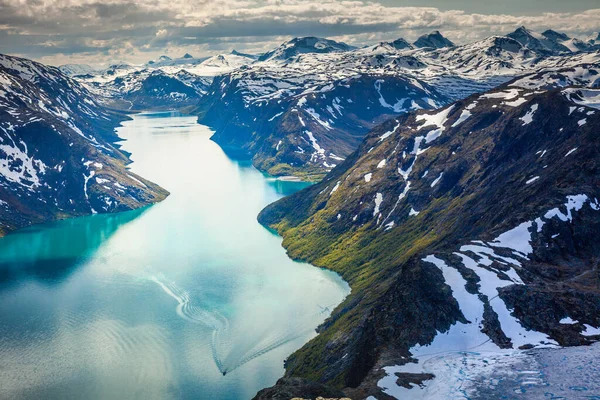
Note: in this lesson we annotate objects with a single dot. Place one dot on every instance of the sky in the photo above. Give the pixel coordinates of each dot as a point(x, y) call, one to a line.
point(100, 32)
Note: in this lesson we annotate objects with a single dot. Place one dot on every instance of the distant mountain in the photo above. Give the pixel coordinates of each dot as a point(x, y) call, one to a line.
point(237, 53)
point(304, 45)
point(76, 69)
point(228, 61)
point(58, 158)
point(158, 90)
point(469, 228)
point(254, 109)
point(538, 43)
point(555, 36)
point(593, 39)
point(166, 61)
point(117, 68)
point(143, 89)
point(496, 55)
point(433, 40)
point(250, 105)
point(401, 44)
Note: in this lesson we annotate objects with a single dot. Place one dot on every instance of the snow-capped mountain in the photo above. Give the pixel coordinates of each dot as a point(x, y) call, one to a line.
point(541, 44)
point(249, 107)
point(468, 229)
point(237, 53)
point(73, 70)
point(150, 89)
point(593, 39)
point(308, 127)
point(401, 44)
point(166, 61)
point(304, 45)
point(58, 159)
point(250, 98)
point(163, 84)
point(222, 63)
point(433, 40)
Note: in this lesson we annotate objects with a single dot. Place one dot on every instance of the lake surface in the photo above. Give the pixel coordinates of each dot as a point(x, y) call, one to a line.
point(160, 302)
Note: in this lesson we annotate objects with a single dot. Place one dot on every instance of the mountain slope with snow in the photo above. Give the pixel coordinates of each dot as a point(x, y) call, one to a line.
point(163, 84)
point(434, 40)
point(467, 228)
point(58, 158)
point(304, 45)
point(260, 110)
point(301, 128)
point(252, 103)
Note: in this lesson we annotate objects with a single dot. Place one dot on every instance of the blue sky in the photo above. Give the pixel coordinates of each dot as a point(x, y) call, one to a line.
point(98, 32)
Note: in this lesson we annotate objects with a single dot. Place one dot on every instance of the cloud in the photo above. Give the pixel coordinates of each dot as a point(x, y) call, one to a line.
point(60, 30)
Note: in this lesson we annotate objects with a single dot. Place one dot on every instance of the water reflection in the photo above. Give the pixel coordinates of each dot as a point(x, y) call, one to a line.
point(49, 252)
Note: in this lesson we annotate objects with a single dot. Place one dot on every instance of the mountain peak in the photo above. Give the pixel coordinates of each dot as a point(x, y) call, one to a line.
point(433, 40)
point(523, 29)
point(302, 45)
point(187, 55)
point(240, 54)
point(555, 36)
point(401, 43)
point(543, 44)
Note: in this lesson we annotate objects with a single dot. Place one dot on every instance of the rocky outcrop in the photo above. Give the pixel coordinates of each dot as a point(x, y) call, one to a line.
point(289, 388)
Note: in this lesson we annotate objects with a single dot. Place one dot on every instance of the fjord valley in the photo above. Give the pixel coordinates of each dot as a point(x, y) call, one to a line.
point(348, 217)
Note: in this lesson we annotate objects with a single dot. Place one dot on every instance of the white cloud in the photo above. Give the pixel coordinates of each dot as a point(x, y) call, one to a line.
point(140, 29)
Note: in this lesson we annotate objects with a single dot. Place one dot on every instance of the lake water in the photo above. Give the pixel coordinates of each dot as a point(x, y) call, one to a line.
point(160, 302)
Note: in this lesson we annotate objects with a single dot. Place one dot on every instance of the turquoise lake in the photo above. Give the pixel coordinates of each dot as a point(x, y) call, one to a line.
point(187, 299)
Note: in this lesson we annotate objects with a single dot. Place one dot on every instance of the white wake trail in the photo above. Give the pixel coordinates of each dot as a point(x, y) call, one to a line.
point(221, 334)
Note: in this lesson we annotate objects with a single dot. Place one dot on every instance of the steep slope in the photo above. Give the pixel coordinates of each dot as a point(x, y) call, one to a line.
point(470, 227)
point(305, 127)
point(401, 44)
point(57, 157)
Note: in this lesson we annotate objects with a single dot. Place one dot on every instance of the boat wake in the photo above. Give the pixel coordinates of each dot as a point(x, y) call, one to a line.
point(229, 354)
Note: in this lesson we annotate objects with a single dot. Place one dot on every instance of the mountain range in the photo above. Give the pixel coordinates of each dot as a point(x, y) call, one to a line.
point(248, 100)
